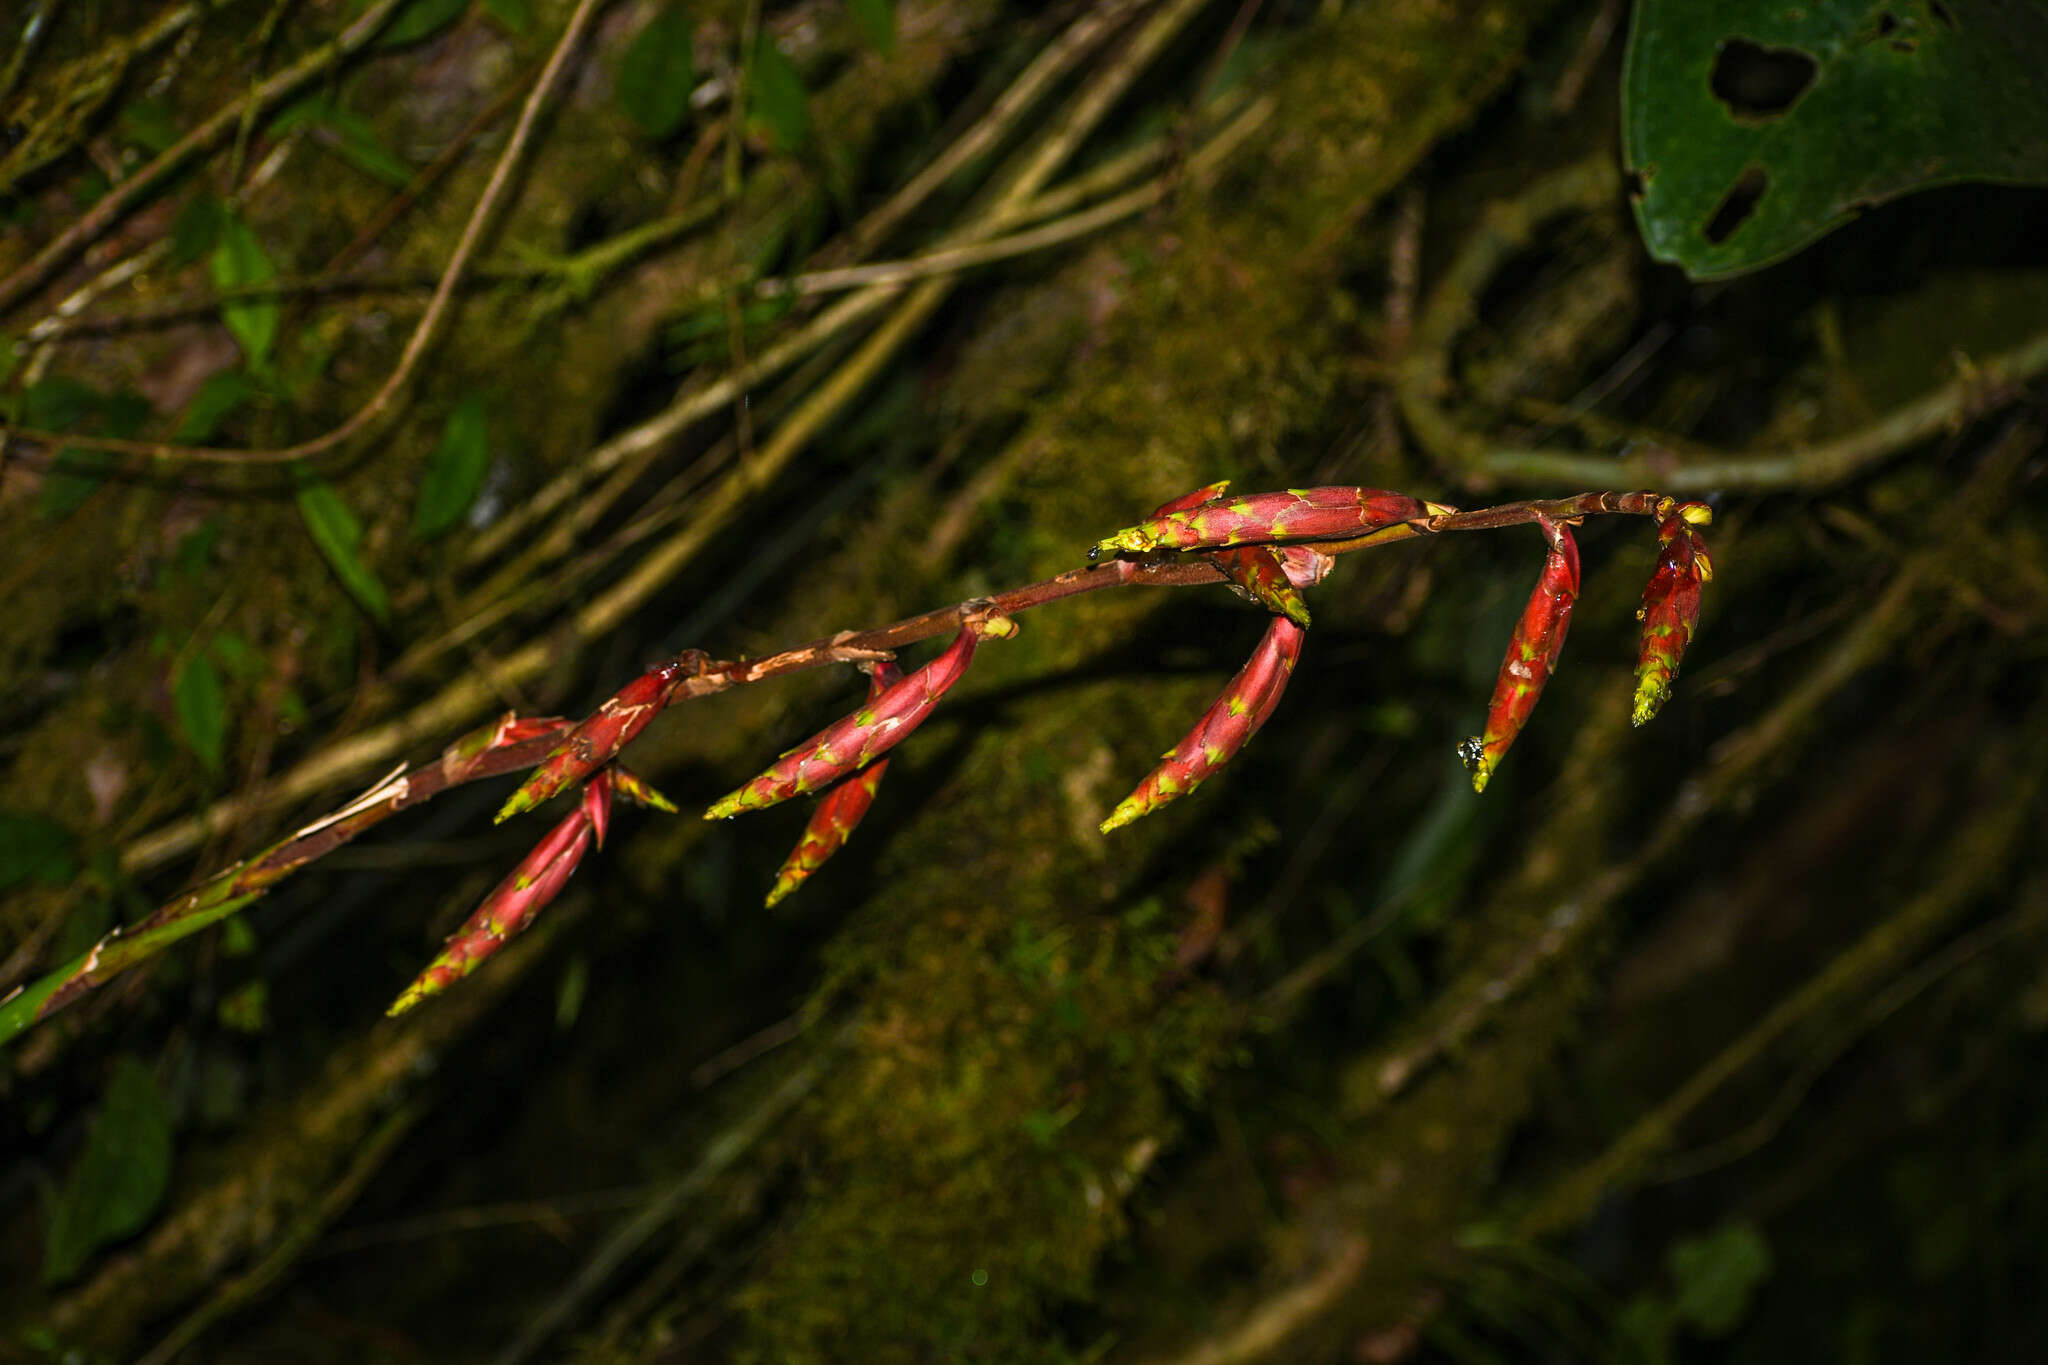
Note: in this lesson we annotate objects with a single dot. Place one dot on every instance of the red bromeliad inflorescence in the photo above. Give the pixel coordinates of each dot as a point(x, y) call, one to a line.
point(1532, 654)
point(598, 738)
point(1269, 547)
point(1671, 604)
point(852, 742)
point(1293, 516)
point(1230, 721)
point(540, 876)
point(839, 810)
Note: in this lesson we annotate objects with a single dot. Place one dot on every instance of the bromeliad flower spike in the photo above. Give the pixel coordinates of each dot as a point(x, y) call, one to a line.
point(855, 741)
point(1671, 605)
point(1532, 654)
point(840, 810)
point(1271, 547)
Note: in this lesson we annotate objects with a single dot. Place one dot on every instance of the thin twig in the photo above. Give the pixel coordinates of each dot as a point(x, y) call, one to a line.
point(1593, 185)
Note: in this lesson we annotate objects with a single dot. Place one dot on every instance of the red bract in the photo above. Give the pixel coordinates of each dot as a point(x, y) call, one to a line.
point(1231, 720)
point(852, 742)
point(1271, 577)
point(515, 901)
point(462, 758)
point(1532, 653)
point(1671, 605)
point(1298, 514)
point(840, 810)
point(635, 789)
point(598, 738)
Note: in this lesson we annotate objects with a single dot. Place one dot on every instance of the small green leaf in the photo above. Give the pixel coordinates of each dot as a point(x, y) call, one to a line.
point(656, 75)
point(877, 20)
point(246, 1009)
point(775, 97)
point(351, 137)
point(515, 15)
point(121, 1176)
point(237, 655)
point(59, 403)
point(420, 19)
point(455, 471)
point(202, 706)
point(1716, 1275)
point(34, 848)
point(339, 535)
point(148, 124)
point(239, 260)
point(217, 398)
point(195, 229)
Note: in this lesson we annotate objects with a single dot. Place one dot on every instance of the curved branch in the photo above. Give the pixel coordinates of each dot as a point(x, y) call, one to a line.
point(1506, 230)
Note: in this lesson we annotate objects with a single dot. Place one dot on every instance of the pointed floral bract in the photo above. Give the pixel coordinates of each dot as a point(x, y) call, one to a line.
point(1532, 654)
point(597, 739)
point(515, 902)
point(461, 758)
point(1273, 578)
point(1298, 514)
point(852, 742)
point(1671, 605)
point(840, 809)
point(1231, 720)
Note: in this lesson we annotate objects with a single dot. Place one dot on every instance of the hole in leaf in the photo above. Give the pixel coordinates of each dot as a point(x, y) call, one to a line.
point(1637, 182)
point(1757, 82)
point(1737, 205)
point(1887, 24)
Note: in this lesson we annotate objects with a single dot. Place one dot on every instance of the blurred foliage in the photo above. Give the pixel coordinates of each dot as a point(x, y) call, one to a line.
point(1296, 1069)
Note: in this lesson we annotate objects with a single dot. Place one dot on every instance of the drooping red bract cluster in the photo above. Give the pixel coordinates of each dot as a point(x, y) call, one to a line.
point(513, 904)
point(1532, 654)
point(1298, 514)
point(597, 739)
point(839, 810)
point(1671, 605)
point(1231, 720)
point(527, 890)
point(852, 742)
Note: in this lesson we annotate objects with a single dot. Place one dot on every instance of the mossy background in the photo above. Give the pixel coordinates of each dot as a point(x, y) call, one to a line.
point(1716, 1040)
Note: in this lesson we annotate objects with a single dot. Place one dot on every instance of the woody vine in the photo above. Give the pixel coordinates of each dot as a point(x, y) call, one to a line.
point(1269, 547)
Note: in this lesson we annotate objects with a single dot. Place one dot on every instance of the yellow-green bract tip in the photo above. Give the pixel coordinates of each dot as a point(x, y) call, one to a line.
point(411, 996)
point(1122, 815)
point(725, 807)
point(1480, 775)
point(1650, 698)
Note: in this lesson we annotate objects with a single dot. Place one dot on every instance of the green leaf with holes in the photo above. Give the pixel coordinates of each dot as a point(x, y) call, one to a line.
point(657, 73)
point(1754, 127)
point(339, 535)
point(120, 1177)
